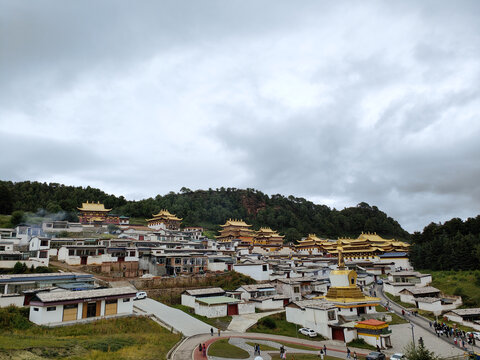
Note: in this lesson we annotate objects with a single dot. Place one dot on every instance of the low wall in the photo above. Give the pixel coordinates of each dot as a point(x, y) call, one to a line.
point(12, 300)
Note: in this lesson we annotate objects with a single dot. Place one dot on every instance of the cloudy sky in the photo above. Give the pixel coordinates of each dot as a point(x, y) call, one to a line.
point(335, 101)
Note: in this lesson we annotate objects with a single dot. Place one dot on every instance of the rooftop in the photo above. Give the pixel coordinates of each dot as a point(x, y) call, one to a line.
point(422, 290)
point(93, 207)
point(196, 292)
point(217, 300)
point(84, 294)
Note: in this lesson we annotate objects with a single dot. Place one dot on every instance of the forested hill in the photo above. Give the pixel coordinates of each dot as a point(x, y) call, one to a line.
point(293, 217)
point(454, 245)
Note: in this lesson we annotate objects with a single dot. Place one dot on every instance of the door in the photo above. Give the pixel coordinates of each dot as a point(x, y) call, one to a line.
point(232, 309)
point(361, 310)
point(83, 260)
point(337, 334)
point(70, 312)
point(91, 309)
point(110, 307)
point(285, 302)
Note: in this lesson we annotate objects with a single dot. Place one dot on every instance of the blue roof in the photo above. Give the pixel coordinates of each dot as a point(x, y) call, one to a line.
point(43, 277)
point(394, 254)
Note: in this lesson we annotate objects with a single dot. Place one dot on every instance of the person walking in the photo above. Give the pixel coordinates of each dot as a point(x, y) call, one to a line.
point(355, 357)
point(325, 349)
point(200, 348)
point(204, 351)
point(348, 354)
point(211, 331)
point(218, 331)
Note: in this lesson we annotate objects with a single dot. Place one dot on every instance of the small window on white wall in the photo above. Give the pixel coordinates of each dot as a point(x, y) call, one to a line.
point(51, 308)
point(126, 300)
point(35, 309)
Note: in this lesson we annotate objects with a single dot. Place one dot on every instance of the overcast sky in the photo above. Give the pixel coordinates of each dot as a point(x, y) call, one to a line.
point(335, 101)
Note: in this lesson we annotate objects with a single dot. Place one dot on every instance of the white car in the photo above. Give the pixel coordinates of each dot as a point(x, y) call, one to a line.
point(397, 356)
point(307, 332)
point(140, 295)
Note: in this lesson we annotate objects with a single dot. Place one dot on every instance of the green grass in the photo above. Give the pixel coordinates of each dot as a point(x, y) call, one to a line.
point(222, 348)
point(396, 319)
point(360, 343)
point(281, 327)
point(138, 221)
point(123, 338)
point(220, 322)
point(380, 308)
point(397, 300)
point(463, 283)
point(263, 347)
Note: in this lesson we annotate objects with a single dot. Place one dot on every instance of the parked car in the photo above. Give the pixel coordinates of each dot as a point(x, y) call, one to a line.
point(397, 356)
point(140, 295)
point(375, 355)
point(307, 332)
point(379, 281)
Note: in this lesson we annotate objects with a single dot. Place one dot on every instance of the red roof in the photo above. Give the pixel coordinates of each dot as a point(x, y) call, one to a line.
point(372, 322)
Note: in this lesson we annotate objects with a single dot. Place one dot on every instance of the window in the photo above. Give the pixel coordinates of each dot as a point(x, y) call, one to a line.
point(353, 281)
point(35, 309)
point(71, 252)
point(369, 308)
point(51, 308)
point(114, 301)
point(44, 243)
point(264, 267)
point(331, 315)
point(351, 309)
point(296, 289)
point(126, 300)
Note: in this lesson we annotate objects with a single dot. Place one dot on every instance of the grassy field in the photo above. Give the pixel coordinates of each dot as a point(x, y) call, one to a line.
point(397, 300)
point(123, 338)
point(280, 326)
point(222, 348)
point(463, 283)
point(220, 323)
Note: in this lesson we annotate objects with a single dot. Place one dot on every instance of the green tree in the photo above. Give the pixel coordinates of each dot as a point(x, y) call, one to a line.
point(17, 217)
point(419, 352)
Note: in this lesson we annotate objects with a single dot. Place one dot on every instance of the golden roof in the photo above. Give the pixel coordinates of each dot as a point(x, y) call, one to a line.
point(93, 207)
point(235, 222)
point(164, 214)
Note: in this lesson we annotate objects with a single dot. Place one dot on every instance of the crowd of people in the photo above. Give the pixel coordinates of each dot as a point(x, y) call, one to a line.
point(460, 337)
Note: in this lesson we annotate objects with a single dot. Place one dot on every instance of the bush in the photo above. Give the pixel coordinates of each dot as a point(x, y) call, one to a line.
point(12, 318)
point(268, 322)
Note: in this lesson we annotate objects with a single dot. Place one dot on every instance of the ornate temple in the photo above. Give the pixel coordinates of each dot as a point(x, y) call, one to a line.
point(95, 213)
point(268, 237)
point(312, 245)
point(164, 220)
point(344, 292)
point(366, 246)
point(236, 229)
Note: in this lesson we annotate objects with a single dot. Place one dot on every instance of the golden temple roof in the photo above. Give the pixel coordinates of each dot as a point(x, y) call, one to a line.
point(90, 206)
point(235, 222)
point(164, 214)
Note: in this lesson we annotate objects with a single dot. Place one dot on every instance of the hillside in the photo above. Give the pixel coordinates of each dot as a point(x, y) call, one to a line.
point(454, 245)
point(293, 217)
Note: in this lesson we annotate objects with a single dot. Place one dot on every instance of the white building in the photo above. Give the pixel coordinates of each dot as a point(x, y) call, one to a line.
point(256, 270)
point(189, 296)
point(56, 308)
point(218, 306)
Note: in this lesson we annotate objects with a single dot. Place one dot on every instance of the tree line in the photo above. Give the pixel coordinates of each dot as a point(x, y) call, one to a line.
point(292, 216)
point(453, 245)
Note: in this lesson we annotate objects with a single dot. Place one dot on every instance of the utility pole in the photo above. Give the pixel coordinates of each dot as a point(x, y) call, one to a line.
point(413, 334)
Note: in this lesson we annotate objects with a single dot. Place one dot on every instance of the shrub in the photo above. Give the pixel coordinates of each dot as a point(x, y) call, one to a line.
point(268, 322)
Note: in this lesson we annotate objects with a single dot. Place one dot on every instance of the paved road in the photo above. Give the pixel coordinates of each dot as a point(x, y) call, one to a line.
point(189, 346)
point(422, 328)
point(240, 323)
point(179, 320)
